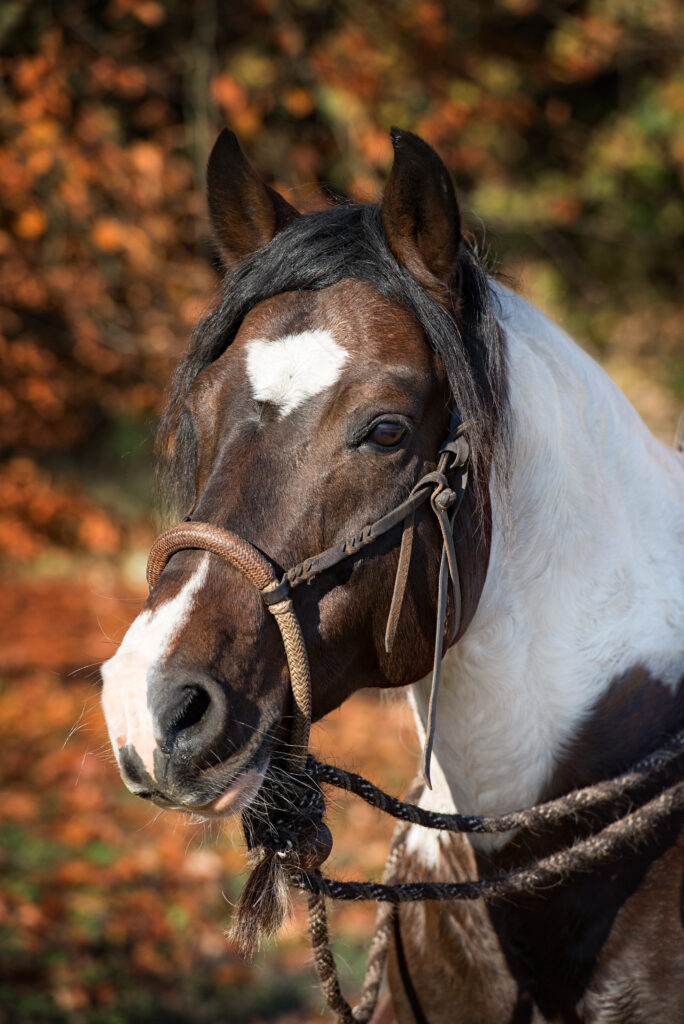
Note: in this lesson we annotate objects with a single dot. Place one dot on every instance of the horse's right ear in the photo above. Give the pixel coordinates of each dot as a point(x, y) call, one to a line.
point(245, 213)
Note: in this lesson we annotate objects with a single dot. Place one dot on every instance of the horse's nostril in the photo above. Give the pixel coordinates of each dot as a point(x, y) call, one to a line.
point(190, 717)
point(194, 702)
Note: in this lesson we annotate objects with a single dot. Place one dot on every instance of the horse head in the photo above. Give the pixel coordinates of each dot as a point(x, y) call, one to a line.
point(313, 397)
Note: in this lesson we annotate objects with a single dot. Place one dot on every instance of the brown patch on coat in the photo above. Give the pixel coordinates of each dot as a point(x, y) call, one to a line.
point(639, 976)
point(635, 714)
point(459, 974)
point(554, 940)
point(452, 954)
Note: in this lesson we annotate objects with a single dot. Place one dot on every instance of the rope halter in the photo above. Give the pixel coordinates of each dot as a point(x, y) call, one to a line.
point(292, 838)
point(445, 501)
point(290, 841)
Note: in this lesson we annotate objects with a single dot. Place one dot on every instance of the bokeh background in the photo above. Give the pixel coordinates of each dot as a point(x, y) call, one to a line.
point(563, 123)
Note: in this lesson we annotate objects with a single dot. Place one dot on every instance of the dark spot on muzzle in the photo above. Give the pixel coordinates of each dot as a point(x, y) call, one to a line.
point(133, 772)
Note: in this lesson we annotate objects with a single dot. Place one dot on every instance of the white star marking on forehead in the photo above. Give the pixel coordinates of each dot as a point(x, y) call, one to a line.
point(287, 371)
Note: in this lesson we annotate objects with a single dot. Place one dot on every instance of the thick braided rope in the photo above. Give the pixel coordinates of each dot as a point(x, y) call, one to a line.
point(300, 678)
point(325, 961)
point(633, 830)
point(377, 954)
point(581, 801)
point(203, 536)
point(377, 958)
point(384, 928)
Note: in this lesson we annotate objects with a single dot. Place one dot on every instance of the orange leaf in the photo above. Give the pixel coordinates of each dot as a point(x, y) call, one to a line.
point(30, 223)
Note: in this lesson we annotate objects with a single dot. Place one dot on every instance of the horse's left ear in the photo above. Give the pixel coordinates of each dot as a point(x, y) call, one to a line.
point(419, 211)
point(245, 213)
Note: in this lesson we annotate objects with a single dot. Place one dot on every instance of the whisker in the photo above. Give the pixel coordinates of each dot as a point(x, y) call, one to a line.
point(152, 820)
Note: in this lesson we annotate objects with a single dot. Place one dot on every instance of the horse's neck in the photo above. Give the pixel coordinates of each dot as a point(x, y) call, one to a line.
point(584, 586)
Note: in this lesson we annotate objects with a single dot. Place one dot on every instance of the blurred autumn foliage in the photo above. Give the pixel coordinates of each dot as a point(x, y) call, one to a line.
point(563, 122)
point(112, 912)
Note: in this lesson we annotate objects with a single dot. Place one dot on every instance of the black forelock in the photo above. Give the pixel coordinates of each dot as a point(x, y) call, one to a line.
point(318, 250)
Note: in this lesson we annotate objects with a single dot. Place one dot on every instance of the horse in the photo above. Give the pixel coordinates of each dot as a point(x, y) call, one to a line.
point(313, 396)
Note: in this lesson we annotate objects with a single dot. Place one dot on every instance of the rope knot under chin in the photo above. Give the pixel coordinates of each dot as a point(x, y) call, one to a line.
point(285, 834)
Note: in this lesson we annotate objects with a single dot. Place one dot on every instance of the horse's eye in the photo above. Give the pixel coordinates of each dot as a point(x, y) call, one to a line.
point(387, 434)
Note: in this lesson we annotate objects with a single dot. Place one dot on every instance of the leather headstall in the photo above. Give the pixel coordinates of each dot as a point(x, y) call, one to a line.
point(444, 487)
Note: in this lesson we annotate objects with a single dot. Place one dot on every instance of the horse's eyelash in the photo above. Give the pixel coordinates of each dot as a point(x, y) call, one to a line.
point(359, 434)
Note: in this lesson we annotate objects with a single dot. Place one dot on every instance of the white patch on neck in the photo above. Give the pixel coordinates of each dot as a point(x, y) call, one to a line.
point(584, 582)
point(426, 844)
point(289, 370)
point(125, 676)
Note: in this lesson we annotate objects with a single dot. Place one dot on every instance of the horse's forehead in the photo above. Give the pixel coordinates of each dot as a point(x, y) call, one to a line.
point(360, 322)
point(298, 345)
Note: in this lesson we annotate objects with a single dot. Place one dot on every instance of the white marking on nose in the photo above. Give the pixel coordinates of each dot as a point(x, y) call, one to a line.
point(289, 370)
point(125, 676)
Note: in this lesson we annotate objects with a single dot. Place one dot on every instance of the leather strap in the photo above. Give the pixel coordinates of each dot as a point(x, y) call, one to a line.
point(400, 581)
point(310, 567)
point(405, 974)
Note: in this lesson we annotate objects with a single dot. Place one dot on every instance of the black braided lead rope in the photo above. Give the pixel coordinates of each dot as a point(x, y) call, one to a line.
point(631, 831)
point(580, 802)
point(634, 828)
point(286, 832)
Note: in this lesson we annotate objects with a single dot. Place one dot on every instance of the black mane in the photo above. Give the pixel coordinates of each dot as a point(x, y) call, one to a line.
point(318, 250)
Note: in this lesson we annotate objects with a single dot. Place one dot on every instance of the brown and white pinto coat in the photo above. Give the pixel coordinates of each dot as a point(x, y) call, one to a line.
point(309, 404)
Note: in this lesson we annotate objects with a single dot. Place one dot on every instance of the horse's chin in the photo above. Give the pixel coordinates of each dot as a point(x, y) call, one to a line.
point(235, 797)
point(223, 789)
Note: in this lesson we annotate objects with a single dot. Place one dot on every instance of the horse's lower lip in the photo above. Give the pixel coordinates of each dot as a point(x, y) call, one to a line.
point(240, 793)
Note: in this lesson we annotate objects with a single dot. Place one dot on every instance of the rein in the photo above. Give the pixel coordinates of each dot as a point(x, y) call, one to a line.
point(286, 837)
